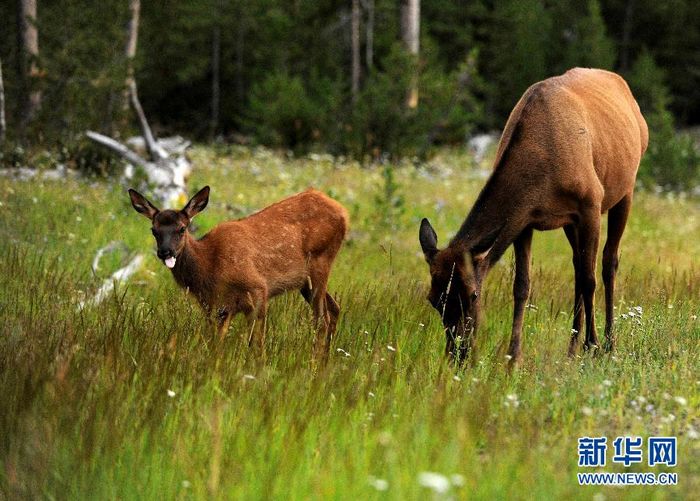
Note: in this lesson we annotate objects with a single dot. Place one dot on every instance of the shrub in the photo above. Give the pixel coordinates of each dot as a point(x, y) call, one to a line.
point(284, 112)
point(672, 160)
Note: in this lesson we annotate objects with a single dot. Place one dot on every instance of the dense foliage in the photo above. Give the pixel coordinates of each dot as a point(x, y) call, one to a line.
point(285, 69)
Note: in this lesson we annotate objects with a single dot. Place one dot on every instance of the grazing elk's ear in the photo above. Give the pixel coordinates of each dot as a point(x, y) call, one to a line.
point(428, 240)
point(142, 205)
point(197, 203)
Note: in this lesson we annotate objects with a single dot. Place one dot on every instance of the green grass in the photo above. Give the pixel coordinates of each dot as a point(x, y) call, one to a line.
point(85, 411)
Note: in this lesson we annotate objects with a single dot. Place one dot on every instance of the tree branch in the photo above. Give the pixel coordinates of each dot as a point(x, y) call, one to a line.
point(117, 148)
point(157, 153)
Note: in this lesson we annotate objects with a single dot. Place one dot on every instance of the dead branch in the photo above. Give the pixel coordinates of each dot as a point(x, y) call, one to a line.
point(116, 147)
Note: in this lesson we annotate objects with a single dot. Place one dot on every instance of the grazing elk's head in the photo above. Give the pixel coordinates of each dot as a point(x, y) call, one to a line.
point(455, 282)
point(170, 226)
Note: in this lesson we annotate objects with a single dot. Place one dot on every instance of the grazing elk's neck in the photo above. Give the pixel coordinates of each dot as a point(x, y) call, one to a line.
point(493, 213)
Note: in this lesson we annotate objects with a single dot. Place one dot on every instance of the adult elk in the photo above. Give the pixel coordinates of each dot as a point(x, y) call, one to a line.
point(569, 153)
point(239, 265)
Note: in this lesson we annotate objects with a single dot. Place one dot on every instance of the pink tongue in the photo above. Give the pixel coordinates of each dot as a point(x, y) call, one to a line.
point(170, 262)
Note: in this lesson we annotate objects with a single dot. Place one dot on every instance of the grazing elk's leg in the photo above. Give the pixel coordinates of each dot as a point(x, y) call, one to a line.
point(521, 291)
point(617, 219)
point(572, 236)
point(589, 235)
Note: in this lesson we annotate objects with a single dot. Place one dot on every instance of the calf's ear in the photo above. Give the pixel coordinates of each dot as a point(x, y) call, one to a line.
point(142, 205)
point(428, 240)
point(197, 203)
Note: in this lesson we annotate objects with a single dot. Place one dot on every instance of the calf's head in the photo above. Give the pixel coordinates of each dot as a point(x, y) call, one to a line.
point(169, 227)
point(455, 283)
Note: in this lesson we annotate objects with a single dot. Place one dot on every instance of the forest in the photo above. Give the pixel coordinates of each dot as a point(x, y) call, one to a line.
point(358, 77)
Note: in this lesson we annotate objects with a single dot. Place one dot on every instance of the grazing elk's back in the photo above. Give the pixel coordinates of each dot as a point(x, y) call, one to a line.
point(569, 152)
point(582, 114)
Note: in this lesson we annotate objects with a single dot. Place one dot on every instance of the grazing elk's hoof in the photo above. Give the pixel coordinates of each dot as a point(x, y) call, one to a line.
point(514, 362)
point(591, 348)
point(609, 346)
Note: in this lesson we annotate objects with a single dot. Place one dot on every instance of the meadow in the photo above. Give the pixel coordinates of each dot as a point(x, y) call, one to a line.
point(132, 399)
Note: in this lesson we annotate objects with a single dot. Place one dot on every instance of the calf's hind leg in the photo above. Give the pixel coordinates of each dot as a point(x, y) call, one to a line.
point(617, 220)
point(256, 313)
point(325, 309)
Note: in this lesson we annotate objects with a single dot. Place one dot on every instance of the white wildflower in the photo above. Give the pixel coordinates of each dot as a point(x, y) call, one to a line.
point(171, 393)
point(587, 411)
point(681, 401)
point(248, 376)
point(512, 400)
point(434, 481)
point(378, 483)
point(390, 348)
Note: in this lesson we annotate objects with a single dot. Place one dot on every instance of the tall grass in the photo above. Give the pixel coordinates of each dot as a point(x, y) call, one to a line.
point(132, 400)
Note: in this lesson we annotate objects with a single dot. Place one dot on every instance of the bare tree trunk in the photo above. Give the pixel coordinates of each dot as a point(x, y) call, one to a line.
point(156, 152)
point(626, 32)
point(410, 34)
point(3, 125)
point(28, 38)
point(132, 35)
point(355, 42)
point(215, 78)
point(369, 34)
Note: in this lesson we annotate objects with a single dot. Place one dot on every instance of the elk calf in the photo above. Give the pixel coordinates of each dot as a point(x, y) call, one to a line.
point(239, 265)
point(569, 153)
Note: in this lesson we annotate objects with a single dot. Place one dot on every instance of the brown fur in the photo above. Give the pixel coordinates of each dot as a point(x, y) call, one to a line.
point(239, 265)
point(569, 153)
